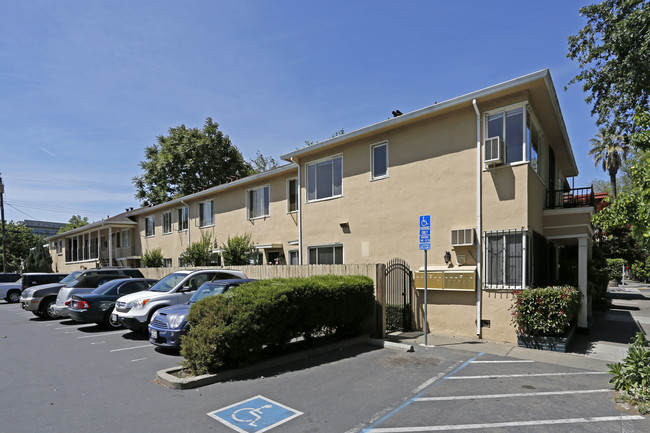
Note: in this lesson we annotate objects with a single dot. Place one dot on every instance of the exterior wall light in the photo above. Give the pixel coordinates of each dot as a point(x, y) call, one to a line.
point(447, 257)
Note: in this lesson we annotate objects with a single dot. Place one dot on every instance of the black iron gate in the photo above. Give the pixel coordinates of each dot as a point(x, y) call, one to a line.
point(399, 289)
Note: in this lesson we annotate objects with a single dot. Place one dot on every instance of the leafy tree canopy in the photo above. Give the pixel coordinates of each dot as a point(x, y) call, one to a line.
point(19, 241)
point(186, 161)
point(38, 259)
point(613, 51)
point(262, 163)
point(75, 221)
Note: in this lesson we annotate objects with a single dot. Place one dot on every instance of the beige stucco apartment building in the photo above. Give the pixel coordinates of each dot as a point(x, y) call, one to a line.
point(490, 168)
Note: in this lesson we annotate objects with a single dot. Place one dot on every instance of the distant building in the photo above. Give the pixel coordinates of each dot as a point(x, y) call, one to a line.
point(42, 228)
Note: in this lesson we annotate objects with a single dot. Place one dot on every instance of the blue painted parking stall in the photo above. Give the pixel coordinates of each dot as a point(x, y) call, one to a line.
point(255, 415)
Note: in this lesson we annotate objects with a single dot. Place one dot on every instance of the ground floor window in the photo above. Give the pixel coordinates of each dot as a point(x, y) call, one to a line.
point(516, 259)
point(293, 257)
point(167, 263)
point(326, 254)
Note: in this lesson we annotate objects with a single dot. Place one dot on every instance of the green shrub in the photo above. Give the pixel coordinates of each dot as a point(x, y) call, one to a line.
point(153, 258)
point(398, 317)
point(597, 276)
point(633, 374)
point(545, 311)
point(615, 269)
point(238, 250)
point(234, 328)
point(199, 253)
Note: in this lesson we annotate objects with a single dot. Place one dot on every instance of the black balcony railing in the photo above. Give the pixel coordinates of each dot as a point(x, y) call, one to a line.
point(568, 198)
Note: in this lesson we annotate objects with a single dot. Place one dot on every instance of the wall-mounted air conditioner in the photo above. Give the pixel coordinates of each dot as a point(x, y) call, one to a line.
point(493, 151)
point(462, 237)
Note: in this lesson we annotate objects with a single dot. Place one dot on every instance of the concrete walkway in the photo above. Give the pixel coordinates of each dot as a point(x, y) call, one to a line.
point(606, 342)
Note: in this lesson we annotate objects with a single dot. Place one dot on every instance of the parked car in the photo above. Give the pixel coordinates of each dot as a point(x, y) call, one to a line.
point(39, 298)
point(86, 283)
point(97, 306)
point(10, 291)
point(135, 311)
point(31, 279)
point(7, 277)
point(170, 323)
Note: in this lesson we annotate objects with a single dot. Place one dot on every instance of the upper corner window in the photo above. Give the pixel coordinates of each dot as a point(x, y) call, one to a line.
point(533, 138)
point(292, 195)
point(150, 226)
point(183, 218)
point(258, 202)
point(379, 160)
point(325, 179)
point(509, 127)
point(206, 213)
point(166, 222)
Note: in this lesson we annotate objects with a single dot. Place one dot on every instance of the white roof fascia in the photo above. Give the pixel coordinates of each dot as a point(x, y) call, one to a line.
point(544, 73)
point(209, 191)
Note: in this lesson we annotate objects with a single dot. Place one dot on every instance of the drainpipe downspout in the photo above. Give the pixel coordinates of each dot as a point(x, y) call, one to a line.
point(479, 220)
point(188, 226)
point(299, 214)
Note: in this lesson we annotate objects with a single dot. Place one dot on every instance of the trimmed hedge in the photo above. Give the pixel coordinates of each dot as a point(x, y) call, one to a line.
point(232, 329)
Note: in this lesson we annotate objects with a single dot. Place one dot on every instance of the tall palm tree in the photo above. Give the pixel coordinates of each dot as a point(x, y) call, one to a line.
point(610, 150)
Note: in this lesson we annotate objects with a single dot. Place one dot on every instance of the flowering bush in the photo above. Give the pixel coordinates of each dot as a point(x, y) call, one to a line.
point(545, 311)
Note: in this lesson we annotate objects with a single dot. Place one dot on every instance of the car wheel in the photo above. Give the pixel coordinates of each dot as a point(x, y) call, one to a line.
point(13, 296)
point(109, 322)
point(44, 309)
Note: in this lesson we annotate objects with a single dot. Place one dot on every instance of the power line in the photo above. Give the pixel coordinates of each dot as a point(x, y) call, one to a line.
point(46, 180)
point(53, 208)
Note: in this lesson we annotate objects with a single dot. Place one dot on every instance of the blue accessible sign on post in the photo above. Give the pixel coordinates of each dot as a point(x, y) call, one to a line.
point(255, 415)
point(425, 232)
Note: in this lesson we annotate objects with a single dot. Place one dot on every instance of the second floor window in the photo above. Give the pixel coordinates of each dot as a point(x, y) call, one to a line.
point(292, 195)
point(509, 126)
point(206, 213)
point(379, 160)
point(166, 222)
point(258, 202)
point(325, 179)
point(150, 226)
point(183, 218)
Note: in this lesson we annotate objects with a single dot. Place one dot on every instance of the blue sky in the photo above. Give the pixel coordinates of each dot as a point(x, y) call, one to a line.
point(86, 85)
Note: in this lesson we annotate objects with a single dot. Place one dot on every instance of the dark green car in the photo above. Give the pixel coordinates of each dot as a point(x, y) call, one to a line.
point(97, 306)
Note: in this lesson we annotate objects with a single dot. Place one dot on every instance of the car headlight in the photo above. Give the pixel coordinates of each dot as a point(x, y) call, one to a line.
point(137, 304)
point(176, 321)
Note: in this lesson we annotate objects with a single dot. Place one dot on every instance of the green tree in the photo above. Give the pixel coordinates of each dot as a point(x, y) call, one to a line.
point(75, 221)
point(20, 240)
point(199, 253)
point(153, 258)
point(186, 161)
point(38, 259)
point(262, 163)
point(613, 52)
point(238, 250)
point(608, 150)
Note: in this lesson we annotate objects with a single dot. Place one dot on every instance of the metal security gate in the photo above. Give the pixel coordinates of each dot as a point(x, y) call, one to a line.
point(399, 289)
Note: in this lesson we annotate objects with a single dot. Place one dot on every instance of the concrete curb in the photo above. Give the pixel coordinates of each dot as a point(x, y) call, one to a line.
point(390, 345)
point(167, 378)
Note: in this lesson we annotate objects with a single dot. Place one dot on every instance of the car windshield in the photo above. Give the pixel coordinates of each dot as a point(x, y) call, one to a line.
point(168, 283)
point(108, 288)
point(209, 289)
point(71, 277)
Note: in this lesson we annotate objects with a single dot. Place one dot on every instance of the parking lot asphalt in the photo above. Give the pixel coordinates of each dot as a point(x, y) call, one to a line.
point(61, 376)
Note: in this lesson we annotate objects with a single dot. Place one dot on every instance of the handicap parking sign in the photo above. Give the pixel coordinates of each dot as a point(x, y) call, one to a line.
point(255, 415)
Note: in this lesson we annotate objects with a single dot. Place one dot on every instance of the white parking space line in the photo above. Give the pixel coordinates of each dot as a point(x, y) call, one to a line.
point(103, 334)
point(500, 376)
point(130, 348)
point(139, 359)
point(503, 362)
point(514, 395)
point(506, 424)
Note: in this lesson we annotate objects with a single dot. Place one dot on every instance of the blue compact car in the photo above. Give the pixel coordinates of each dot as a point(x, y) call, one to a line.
point(169, 323)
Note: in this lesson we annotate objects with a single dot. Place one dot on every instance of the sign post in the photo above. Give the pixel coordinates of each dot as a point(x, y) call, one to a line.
point(425, 245)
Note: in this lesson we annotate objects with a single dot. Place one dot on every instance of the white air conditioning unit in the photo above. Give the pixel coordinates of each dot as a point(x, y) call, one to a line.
point(493, 151)
point(462, 237)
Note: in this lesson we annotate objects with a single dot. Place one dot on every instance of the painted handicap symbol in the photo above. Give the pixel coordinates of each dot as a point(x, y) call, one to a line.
point(251, 415)
point(255, 415)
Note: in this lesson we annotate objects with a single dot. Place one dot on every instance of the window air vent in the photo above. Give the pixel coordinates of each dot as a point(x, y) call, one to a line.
point(462, 237)
point(493, 150)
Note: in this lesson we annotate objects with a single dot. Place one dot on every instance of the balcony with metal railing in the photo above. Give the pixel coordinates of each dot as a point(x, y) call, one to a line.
point(570, 198)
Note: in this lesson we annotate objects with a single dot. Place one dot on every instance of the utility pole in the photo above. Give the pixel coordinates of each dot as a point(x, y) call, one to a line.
point(2, 217)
